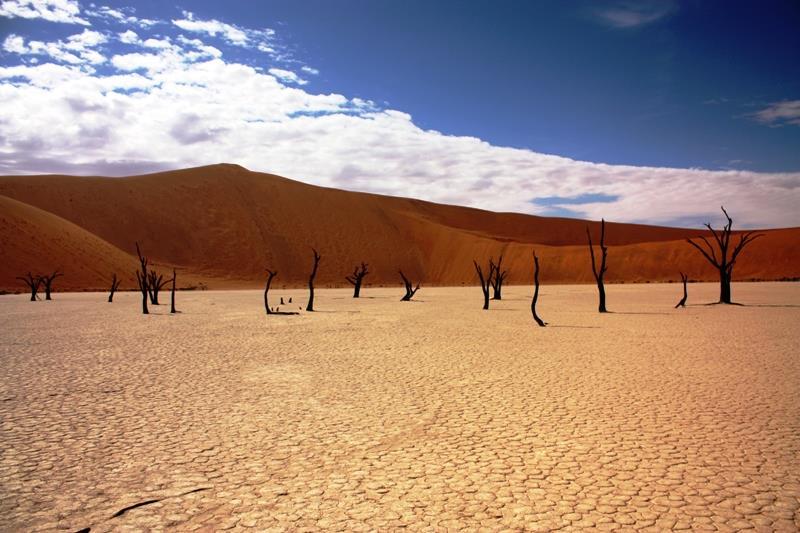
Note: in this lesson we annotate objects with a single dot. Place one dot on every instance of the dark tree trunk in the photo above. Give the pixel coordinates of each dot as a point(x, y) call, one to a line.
point(47, 281)
point(317, 257)
point(410, 292)
point(141, 278)
point(599, 273)
point(172, 295)
point(485, 281)
point(156, 282)
point(538, 320)
point(723, 263)
point(682, 303)
point(498, 279)
point(33, 284)
point(267, 308)
point(357, 278)
point(114, 286)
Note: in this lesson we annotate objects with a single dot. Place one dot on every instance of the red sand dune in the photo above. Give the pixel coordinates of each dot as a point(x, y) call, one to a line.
point(224, 225)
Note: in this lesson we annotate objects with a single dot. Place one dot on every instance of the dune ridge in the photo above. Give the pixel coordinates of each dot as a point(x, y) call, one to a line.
point(224, 225)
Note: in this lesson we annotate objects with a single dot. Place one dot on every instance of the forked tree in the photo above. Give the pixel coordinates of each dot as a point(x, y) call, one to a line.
point(356, 278)
point(141, 278)
point(599, 273)
point(538, 320)
point(410, 292)
point(33, 284)
point(114, 286)
point(270, 275)
point(485, 279)
point(723, 263)
point(317, 257)
point(682, 303)
point(172, 294)
point(155, 283)
point(498, 279)
point(47, 282)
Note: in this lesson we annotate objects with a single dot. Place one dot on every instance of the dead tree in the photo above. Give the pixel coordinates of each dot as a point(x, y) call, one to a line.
point(47, 282)
point(33, 284)
point(598, 274)
point(271, 275)
point(155, 283)
point(486, 281)
point(357, 278)
point(682, 303)
point(172, 295)
point(409, 291)
point(317, 257)
point(141, 278)
point(498, 279)
point(114, 286)
point(722, 263)
point(538, 320)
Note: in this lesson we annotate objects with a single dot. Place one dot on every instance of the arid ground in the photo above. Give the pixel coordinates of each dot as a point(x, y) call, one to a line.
point(374, 414)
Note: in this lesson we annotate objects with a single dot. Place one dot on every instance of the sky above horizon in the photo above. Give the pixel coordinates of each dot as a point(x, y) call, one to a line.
point(651, 111)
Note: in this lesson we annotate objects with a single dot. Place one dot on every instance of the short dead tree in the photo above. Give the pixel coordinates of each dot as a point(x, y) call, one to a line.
point(155, 283)
point(723, 263)
point(114, 286)
point(682, 303)
point(356, 278)
point(270, 275)
point(485, 279)
point(47, 282)
point(410, 292)
point(172, 294)
point(538, 320)
point(498, 279)
point(33, 284)
point(141, 279)
point(599, 273)
point(310, 305)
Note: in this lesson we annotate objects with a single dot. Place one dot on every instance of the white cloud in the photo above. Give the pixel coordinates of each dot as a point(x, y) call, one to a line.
point(777, 113)
point(309, 70)
point(634, 13)
point(129, 37)
point(14, 44)
point(118, 15)
point(287, 76)
point(77, 49)
point(67, 11)
point(230, 33)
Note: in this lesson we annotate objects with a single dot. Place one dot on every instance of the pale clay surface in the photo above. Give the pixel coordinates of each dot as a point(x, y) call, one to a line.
point(374, 414)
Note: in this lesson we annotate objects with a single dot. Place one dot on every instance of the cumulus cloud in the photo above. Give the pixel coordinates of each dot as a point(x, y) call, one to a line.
point(123, 15)
point(229, 32)
point(67, 11)
point(779, 113)
point(287, 76)
point(77, 49)
point(181, 104)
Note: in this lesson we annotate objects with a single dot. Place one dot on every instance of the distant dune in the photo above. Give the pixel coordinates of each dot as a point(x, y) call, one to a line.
point(224, 225)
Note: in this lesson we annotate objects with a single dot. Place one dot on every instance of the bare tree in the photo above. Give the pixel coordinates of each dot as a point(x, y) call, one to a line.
point(723, 264)
point(172, 294)
point(682, 303)
point(141, 278)
point(47, 282)
point(114, 286)
point(155, 283)
point(271, 274)
point(357, 278)
point(498, 279)
point(317, 257)
point(33, 284)
point(486, 280)
point(598, 274)
point(409, 291)
point(538, 320)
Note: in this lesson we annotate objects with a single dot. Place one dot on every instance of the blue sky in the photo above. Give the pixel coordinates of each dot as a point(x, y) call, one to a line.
point(650, 111)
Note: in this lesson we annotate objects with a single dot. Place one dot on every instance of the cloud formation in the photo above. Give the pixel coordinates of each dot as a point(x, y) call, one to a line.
point(634, 13)
point(780, 113)
point(67, 11)
point(169, 100)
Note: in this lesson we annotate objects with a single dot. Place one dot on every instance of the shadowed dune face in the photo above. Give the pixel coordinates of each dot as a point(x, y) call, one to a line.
point(224, 225)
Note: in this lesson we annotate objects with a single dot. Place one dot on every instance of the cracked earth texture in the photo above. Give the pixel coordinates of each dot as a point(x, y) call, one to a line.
point(374, 414)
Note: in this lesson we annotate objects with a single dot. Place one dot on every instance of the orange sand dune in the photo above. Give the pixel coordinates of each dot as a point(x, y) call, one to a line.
point(224, 225)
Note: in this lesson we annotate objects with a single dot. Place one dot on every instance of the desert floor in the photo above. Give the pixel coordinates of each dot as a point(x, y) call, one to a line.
point(374, 414)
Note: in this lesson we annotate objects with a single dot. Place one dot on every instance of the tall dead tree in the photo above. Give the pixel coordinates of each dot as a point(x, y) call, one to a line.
point(723, 263)
point(409, 290)
point(33, 284)
point(599, 273)
point(538, 320)
point(47, 282)
point(172, 294)
point(114, 286)
point(317, 257)
point(498, 279)
point(682, 303)
point(141, 278)
point(356, 278)
point(271, 274)
point(486, 280)
point(155, 283)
